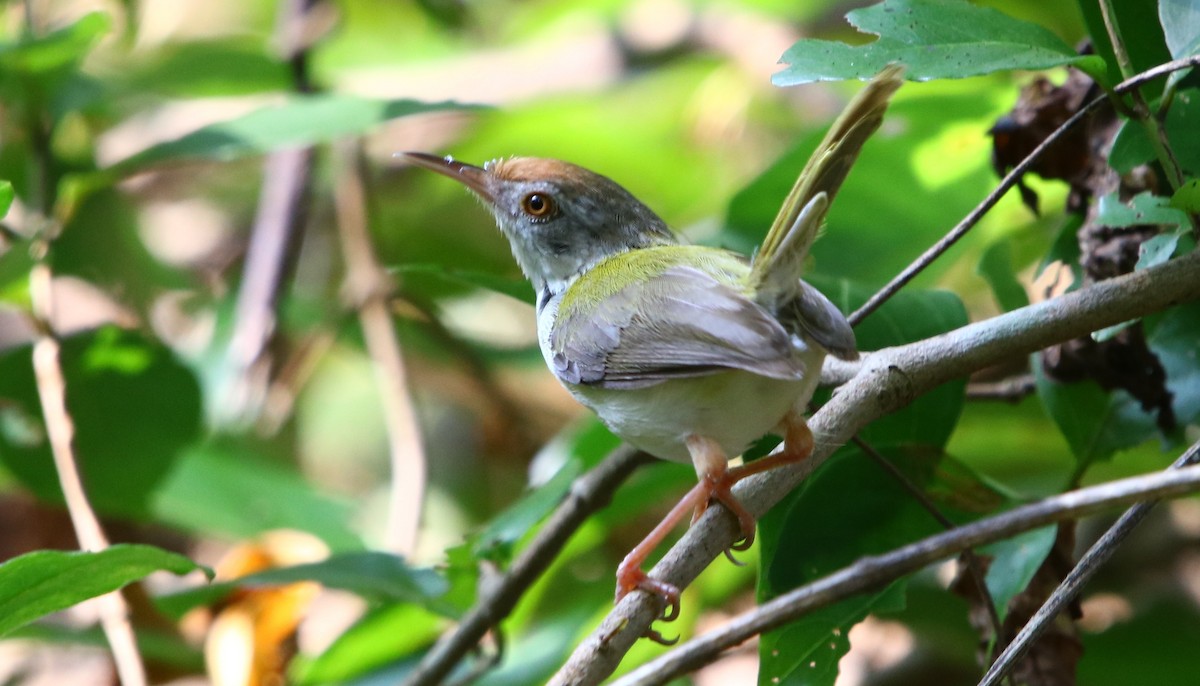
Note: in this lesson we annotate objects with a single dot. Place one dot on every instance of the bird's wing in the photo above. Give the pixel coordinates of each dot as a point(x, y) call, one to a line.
point(683, 322)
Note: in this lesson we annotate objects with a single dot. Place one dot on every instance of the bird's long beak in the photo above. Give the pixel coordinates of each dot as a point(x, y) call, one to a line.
point(475, 178)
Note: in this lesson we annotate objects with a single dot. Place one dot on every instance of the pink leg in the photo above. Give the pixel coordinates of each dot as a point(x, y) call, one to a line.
point(716, 482)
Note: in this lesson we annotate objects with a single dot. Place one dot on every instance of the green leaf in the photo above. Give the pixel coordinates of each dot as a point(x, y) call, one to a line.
point(1187, 198)
point(1014, 562)
point(907, 317)
point(302, 120)
point(1095, 423)
point(39, 583)
point(1132, 147)
point(1180, 21)
point(1141, 34)
point(1158, 249)
point(996, 267)
point(806, 652)
point(232, 490)
point(376, 576)
point(381, 637)
point(1172, 337)
point(33, 57)
point(135, 408)
point(6, 197)
point(818, 530)
point(934, 39)
point(1144, 208)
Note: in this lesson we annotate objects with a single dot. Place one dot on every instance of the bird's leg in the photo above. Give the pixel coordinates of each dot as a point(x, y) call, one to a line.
point(716, 482)
point(629, 573)
point(797, 446)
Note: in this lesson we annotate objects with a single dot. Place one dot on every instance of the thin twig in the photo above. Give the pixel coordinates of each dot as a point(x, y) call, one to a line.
point(1083, 571)
point(588, 494)
point(878, 570)
point(52, 390)
point(369, 289)
point(1114, 36)
point(945, 242)
point(1012, 389)
point(281, 213)
point(927, 258)
point(51, 383)
point(889, 380)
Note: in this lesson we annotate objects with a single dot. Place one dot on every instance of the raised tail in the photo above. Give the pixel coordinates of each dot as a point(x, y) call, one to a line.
point(777, 265)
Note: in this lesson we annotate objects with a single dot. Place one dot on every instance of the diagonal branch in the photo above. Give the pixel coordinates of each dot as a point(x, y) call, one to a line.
point(877, 571)
point(1091, 561)
point(887, 381)
point(589, 493)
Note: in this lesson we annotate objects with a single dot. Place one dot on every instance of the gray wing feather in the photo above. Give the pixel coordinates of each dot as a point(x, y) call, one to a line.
point(822, 321)
point(681, 323)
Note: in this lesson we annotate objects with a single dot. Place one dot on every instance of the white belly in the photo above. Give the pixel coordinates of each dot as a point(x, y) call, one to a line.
point(733, 408)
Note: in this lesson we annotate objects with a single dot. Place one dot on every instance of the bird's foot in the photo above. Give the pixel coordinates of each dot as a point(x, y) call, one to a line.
point(632, 578)
point(719, 486)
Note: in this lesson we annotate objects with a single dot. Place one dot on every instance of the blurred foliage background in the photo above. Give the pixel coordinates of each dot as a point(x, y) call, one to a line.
point(135, 133)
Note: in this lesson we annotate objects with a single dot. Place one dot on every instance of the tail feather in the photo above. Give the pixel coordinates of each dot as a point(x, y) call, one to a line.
point(777, 265)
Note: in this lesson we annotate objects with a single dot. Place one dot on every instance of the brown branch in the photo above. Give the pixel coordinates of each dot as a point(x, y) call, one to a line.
point(52, 391)
point(1010, 390)
point(369, 289)
point(888, 380)
point(588, 494)
point(878, 570)
point(277, 223)
point(1083, 571)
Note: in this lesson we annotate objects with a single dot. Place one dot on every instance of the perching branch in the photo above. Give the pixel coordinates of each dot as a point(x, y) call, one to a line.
point(888, 380)
point(877, 571)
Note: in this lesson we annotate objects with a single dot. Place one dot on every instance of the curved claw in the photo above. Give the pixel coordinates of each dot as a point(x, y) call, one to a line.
point(658, 638)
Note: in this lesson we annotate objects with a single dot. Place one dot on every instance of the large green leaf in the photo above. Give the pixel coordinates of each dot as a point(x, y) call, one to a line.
point(817, 529)
point(6, 197)
point(230, 489)
point(1132, 146)
point(1014, 562)
point(848, 509)
point(301, 120)
point(135, 407)
point(1141, 34)
point(934, 39)
point(39, 583)
point(38, 56)
point(1180, 21)
point(376, 576)
point(381, 637)
point(907, 317)
point(1095, 422)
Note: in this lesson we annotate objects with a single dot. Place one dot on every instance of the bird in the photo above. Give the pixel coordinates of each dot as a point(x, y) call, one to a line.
point(688, 352)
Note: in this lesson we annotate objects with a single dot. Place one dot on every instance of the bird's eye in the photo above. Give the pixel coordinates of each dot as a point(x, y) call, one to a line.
point(538, 205)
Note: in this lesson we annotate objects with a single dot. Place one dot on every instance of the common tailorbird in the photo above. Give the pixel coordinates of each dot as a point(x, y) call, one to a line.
point(688, 352)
